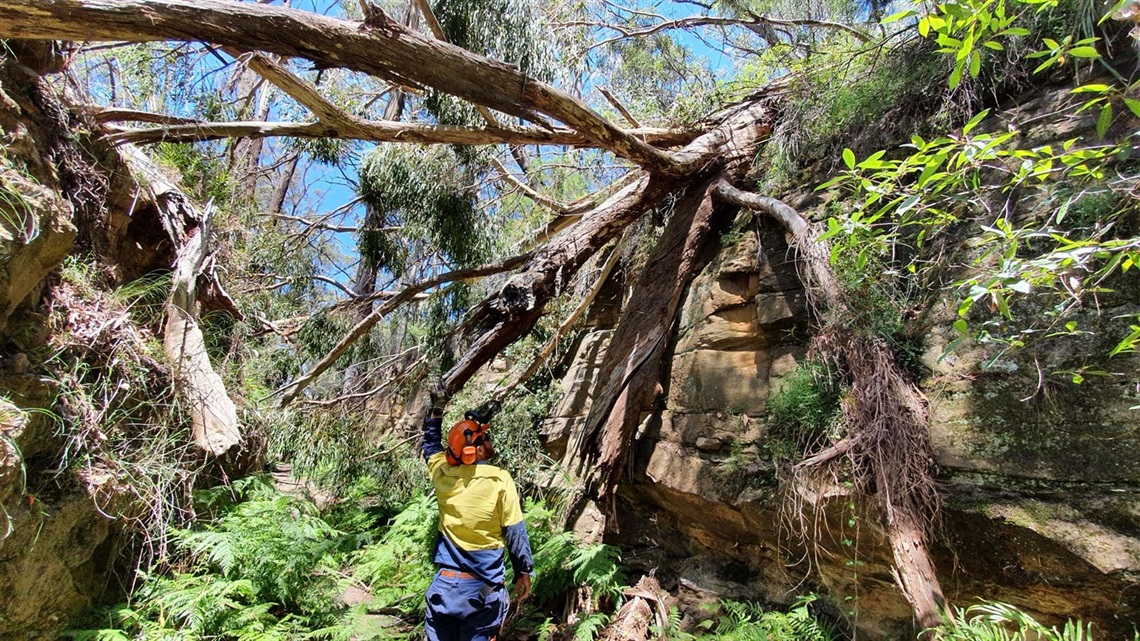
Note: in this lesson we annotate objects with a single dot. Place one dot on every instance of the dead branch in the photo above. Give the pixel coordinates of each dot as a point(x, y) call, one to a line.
point(290, 391)
point(599, 280)
point(213, 415)
point(508, 178)
point(103, 115)
point(609, 96)
point(377, 131)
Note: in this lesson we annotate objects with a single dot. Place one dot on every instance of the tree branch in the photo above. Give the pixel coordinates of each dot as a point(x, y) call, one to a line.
point(377, 131)
point(380, 47)
point(289, 392)
point(508, 178)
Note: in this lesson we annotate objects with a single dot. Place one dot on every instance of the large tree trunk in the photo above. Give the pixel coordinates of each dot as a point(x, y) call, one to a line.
point(635, 357)
point(634, 360)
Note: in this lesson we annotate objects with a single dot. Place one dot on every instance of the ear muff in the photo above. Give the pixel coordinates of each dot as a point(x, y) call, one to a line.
point(468, 454)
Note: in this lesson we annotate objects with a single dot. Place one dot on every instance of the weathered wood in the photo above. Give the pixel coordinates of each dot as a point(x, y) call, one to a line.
point(379, 47)
point(508, 315)
point(377, 131)
point(213, 415)
point(643, 611)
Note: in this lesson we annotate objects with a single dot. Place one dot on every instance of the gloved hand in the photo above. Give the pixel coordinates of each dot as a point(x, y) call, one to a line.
point(439, 398)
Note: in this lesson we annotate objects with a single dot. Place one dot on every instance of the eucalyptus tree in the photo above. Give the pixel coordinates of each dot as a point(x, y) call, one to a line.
point(512, 86)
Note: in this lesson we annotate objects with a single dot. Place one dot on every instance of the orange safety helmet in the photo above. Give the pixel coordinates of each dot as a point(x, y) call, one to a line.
point(463, 439)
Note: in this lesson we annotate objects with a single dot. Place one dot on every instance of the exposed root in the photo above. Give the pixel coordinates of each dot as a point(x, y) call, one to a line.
point(886, 453)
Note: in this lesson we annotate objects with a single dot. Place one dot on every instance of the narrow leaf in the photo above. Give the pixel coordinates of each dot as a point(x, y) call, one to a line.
point(1104, 121)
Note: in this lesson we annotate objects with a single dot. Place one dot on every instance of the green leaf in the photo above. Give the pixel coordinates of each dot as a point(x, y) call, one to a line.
point(993, 44)
point(907, 205)
point(849, 158)
point(1133, 106)
point(1084, 52)
point(1092, 88)
point(968, 127)
point(1104, 121)
point(956, 75)
point(975, 66)
point(1078, 379)
point(1021, 287)
point(895, 17)
point(962, 327)
point(924, 27)
point(831, 183)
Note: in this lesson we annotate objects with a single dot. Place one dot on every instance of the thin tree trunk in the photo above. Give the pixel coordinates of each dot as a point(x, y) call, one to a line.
point(914, 569)
point(213, 415)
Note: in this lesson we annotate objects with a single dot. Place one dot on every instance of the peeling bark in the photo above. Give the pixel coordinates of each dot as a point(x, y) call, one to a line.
point(635, 356)
point(213, 415)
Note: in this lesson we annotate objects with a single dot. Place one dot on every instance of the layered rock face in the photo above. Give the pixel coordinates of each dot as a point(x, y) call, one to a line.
point(1042, 508)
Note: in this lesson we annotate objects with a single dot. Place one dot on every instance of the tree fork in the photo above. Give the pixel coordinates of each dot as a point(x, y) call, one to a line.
point(504, 318)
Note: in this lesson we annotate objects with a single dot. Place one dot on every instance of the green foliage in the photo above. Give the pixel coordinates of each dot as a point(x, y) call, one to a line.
point(993, 621)
point(262, 567)
point(345, 452)
point(807, 404)
point(660, 80)
point(19, 219)
point(204, 176)
point(742, 621)
point(280, 545)
point(845, 97)
point(122, 427)
point(398, 566)
point(419, 191)
point(509, 30)
point(146, 298)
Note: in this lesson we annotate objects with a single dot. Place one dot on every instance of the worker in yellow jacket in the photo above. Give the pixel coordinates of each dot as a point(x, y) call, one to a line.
point(479, 519)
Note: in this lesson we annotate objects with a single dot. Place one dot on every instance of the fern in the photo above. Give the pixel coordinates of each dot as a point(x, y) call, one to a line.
point(588, 628)
point(993, 621)
point(398, 565)
point(742, 621)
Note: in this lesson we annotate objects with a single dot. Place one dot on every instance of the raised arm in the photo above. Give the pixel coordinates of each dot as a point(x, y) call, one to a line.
point(433, 433)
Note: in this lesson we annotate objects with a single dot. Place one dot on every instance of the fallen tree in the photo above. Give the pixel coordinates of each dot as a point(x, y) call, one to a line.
point(888, 445)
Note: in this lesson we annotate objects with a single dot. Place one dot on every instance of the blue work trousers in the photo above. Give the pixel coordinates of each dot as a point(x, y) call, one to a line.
point(463, 609)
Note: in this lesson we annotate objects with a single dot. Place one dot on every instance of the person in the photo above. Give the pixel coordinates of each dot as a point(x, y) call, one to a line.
point(479, 517)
